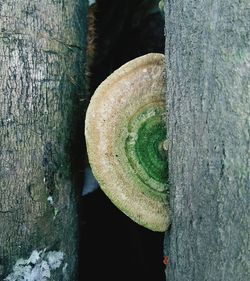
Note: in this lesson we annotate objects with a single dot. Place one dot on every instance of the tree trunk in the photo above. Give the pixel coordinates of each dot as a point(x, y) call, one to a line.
point(208, 99)
point(41, 84)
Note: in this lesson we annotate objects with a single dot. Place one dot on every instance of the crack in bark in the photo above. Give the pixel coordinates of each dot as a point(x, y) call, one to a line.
point(50, 166)
point(6, 212)
point(16, 35)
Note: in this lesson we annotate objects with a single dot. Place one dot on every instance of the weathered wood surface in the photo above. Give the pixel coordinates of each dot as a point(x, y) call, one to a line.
point(41, 83)
point(208, 99)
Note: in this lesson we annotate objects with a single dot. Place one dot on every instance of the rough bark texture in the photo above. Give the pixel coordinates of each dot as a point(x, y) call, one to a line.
point(41, 82)
point(208, 99)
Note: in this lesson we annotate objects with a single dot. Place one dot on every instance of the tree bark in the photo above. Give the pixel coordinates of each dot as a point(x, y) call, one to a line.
point(208, 100)
point(41, 84)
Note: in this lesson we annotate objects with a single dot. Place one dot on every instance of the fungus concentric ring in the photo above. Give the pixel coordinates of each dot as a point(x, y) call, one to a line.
point(126, 136)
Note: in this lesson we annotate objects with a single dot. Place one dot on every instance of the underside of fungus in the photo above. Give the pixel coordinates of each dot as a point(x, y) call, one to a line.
point(126, 140)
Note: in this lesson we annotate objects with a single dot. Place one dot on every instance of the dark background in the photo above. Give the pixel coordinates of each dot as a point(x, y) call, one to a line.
point(113, 247)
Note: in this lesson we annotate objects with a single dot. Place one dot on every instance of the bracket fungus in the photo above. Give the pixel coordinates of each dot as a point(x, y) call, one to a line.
point(126, 140)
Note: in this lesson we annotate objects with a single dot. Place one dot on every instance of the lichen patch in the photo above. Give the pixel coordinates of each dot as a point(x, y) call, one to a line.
point(37, 267)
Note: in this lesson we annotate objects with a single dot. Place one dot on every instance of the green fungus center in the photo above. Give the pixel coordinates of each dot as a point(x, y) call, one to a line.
point(147, 151)
point(149, 148)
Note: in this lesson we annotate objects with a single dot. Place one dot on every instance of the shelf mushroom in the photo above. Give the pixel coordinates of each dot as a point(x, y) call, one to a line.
point(126, 140)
